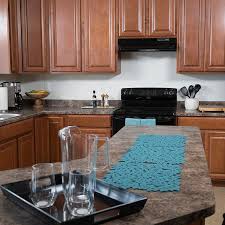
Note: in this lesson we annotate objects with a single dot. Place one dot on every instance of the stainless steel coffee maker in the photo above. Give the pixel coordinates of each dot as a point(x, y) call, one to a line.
point(15, 99)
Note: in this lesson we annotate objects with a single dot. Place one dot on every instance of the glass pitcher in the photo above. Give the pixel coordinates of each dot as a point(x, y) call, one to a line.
point(78, 155)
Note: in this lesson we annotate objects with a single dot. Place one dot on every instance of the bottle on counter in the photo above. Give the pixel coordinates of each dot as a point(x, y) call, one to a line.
point(106, 100)
point(94, 100)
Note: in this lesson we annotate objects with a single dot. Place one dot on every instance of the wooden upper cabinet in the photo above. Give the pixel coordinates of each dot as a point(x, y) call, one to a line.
point(132, 18)
point(99, 35)
point(34, 28)
point(65, 31)
point(5, 65)
point(215, 35)
point(161, 18)
point(190, 53)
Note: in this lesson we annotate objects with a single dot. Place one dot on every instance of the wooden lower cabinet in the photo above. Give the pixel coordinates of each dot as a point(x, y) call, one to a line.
point(47, 145)
point(8, 155)
point(213, 139)
point(17, 145)
point(26, 156)
point(215, 148)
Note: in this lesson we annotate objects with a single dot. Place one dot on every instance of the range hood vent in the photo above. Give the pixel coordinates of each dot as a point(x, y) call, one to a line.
point(147, 45)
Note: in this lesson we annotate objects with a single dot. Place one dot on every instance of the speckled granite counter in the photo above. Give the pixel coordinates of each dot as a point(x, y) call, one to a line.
point(188, 113)
point(65, 109)
point(74, 107)
point(194, 201)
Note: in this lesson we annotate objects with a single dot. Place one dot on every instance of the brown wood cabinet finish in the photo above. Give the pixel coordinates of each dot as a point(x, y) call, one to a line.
point(35, 38)
point(99, 35)
point(42, 153)
point(191, 36)
point(8, 155)
point(161, 18)
point(215, 36)
point(213, 138)
point(47, 146)
point(132, 18)
point(55, 123)
point(5, 64)
point(15, 129)
point(65, 34)
point(90, 121)
point(15, 36)
point(215, 147)
point(26, 155)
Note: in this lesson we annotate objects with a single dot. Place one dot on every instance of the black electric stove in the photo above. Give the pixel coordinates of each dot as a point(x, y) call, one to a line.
point(145, 103)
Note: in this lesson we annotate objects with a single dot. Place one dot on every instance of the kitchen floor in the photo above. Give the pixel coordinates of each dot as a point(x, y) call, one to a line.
point(217, 218)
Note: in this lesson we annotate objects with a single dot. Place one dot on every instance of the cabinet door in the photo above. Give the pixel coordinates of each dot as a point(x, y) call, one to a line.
point(132, 18)
point(215, 146)
point(8, 155)
point(215, 35)
point(42, 152)
point(26, 153)
point(34, 35)
point(15, 36)
point(162, 18)
point(99, 40)
point(5, 66)
point(191, 23)
point(55, 124)
point(65, 36)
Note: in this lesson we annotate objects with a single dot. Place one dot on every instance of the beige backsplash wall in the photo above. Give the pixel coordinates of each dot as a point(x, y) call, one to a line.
point(138, 69)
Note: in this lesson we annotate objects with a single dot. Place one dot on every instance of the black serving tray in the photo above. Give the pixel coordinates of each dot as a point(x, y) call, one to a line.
point(110, 203)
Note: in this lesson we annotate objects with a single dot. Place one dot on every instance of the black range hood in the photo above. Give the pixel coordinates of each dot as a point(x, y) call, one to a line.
point(147, 45)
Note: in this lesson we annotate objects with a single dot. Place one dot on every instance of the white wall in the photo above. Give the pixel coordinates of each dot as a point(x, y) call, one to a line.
point(149, 69)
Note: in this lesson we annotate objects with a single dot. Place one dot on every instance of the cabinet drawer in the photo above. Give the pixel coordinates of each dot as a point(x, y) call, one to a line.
point(16, 129)
point(204, 123)
point(103, 132)
point(88, 121)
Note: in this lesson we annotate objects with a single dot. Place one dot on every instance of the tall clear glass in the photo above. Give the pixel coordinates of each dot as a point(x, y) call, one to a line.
point(43, 188)
point(78, 154)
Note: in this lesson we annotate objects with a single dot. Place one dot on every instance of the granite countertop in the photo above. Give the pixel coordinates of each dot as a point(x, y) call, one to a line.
point(194, 201)
point(75, 107)
point(62, 108)
point(196, 113)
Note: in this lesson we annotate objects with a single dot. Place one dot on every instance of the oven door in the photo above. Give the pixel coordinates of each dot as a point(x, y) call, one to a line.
point(118, 121)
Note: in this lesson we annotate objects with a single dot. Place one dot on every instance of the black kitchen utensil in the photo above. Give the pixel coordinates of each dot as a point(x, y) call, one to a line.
point(191, 91)
point(184, 91)
point(197, 88)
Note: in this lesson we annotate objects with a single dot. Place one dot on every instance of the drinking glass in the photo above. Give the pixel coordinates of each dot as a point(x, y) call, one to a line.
point(80, 200)
point(102, 156)
point(43, 188)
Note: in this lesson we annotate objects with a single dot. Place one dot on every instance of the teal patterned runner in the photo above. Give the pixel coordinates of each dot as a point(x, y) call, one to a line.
point(153, 163)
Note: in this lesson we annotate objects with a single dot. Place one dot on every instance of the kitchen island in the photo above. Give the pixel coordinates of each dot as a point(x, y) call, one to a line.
point(190, 206)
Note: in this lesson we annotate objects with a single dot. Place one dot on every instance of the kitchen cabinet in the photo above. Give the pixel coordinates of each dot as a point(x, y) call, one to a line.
point(5, 64)
point(161, 20)
point(191, 26)
point(47, 146)
point(201, 36)
point(29, 36)
point(17, 145)
point(213, 138)
point(132, 18)
point(8, 155)
point(147, 18)
point(215, 36)
point(65, 32)
point(99, 35)
point(34, 30)
point(26, 155)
